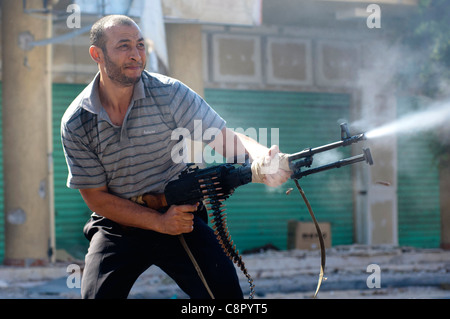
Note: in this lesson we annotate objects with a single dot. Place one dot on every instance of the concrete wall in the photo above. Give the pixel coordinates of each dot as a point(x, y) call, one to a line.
point(26, 116)
point(184, 43)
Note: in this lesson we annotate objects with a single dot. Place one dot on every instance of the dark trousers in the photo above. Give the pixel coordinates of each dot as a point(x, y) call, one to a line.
point(118, 255)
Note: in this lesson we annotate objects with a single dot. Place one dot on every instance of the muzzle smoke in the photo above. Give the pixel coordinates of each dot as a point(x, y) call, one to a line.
point(433, 117)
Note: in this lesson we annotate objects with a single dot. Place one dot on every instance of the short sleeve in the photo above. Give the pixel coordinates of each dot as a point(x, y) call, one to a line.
point(190, 111)
point(85, 169)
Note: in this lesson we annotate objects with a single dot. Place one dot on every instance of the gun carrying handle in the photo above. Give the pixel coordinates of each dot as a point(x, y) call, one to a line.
point(155, 201)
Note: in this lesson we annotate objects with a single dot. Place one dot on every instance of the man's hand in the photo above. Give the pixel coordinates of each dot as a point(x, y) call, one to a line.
point(178, 219)
point(271, 169)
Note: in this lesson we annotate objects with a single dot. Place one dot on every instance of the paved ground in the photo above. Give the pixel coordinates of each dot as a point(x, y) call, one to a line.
point(401, 272)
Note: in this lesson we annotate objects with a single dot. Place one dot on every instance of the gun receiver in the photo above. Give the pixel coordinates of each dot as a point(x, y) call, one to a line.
point(195, 184)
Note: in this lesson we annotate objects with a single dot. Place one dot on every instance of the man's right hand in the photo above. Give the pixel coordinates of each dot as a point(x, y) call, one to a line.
point(178, 219)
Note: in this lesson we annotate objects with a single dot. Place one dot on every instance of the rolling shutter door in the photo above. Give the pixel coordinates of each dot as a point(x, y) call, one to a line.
point(418, 186)
point(258, 215)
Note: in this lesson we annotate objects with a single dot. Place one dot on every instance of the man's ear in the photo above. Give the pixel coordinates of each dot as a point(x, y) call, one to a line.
point(96, 54)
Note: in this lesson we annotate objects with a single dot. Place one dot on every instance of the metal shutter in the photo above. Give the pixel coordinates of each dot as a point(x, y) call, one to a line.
point(418, 186)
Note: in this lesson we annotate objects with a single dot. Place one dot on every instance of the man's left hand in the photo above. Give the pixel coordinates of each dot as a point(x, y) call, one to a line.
point(272, 169)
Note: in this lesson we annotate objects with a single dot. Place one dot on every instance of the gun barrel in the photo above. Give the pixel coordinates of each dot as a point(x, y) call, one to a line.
point(366, 156)
point(327, 147)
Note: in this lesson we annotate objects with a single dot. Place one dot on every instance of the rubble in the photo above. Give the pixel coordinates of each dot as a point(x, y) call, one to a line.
point(404, 272)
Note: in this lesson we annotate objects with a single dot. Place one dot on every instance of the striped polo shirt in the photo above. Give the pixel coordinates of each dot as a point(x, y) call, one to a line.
point(134, 158)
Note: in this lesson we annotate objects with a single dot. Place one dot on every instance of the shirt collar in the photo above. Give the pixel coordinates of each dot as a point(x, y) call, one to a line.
point(92, 102)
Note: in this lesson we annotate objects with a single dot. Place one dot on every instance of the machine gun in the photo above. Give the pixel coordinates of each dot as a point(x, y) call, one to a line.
point(213, 185)
point(196, 184)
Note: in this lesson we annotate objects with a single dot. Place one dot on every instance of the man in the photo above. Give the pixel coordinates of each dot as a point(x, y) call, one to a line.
point(117, 141)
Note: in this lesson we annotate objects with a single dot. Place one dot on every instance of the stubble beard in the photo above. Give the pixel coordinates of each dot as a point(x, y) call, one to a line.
point(115, 73)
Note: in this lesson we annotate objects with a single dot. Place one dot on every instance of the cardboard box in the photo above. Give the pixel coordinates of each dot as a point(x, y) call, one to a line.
point(303, 235)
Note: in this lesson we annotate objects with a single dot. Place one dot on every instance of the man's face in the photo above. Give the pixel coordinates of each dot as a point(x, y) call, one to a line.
point(125, 54)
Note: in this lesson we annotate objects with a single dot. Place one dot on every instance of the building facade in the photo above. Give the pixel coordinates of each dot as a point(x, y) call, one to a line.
point(288, 72)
